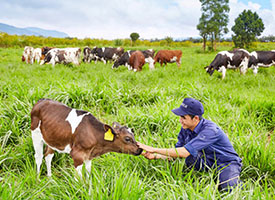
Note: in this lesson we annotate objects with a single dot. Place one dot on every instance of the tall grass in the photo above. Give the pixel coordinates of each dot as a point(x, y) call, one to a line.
point(243, 106)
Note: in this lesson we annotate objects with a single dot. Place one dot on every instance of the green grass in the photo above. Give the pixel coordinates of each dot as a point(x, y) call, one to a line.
point(243, 106)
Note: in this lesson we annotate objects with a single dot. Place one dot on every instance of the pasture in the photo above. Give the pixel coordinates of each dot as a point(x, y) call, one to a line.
point(243, 106)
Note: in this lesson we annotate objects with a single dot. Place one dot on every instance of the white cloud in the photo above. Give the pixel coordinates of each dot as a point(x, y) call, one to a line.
point(111, 19)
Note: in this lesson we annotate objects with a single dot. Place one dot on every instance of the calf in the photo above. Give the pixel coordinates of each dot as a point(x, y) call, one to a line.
point(28, 55)
point(65, 56)
point(107, 53)
point(124, 59)
point(229, 60)
point(76, 132)
point(168, 56)
point(137, 60)
point(261, 59)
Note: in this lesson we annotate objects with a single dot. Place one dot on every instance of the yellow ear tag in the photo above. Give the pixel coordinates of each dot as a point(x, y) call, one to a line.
point(109, 135)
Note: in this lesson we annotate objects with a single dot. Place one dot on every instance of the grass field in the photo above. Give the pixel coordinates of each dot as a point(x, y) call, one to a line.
point(243, 106)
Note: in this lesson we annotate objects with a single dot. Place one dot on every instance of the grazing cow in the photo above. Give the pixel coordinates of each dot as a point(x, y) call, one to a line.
point(76, 132)
point(37, 54)
point(137, 60)
point(106, 53)
point(124, 59)
point(65, 56)
point(229, 60)
point(28, 55)
point(88, 56)
point(261, 59)
point(168, 56)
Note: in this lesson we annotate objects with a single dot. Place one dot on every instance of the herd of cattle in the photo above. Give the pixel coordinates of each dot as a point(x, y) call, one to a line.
point(135, 59)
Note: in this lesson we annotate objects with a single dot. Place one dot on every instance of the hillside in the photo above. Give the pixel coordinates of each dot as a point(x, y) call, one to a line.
point(12, 30)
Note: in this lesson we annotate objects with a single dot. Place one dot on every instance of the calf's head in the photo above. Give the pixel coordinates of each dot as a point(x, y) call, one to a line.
point(124, 140)
point(209, 69)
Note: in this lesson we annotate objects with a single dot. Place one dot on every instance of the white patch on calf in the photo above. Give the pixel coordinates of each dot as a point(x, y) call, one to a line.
point(103, 49)
point(254, 53)
point(223, 71)
point(48, 159)
point(37, 141)
point(150, 61)
point(228, 54)
point(244, 65)
point(74, 120)
point(174, 59)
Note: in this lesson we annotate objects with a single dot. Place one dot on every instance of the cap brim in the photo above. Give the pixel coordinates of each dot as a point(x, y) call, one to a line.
point(179, 112)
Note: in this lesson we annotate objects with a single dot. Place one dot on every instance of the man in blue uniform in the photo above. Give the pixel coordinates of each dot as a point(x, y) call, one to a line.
point(203, 144)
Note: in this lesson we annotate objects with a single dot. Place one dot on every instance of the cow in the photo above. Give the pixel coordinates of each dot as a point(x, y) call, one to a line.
point(124, 59)
point(37, 54)
point(168, 56)
point(261, 59)
point(106, 53)
point(28, 55)
point(88, 56)
point(137, 60)
point(229, 60)
point(65, 56)
point(77, 132)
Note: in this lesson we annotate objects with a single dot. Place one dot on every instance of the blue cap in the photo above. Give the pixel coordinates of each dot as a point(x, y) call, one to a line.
point(189, 106)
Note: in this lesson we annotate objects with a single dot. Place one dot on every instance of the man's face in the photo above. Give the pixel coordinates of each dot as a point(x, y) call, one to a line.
point(188, 123)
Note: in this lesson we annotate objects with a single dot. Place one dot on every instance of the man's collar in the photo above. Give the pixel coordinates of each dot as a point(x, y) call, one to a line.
point(198, 127)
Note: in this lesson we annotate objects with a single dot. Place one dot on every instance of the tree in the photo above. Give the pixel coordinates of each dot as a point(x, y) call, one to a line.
point(134, 37)
point(247, 26)
point(169, 40)
point(214, 20)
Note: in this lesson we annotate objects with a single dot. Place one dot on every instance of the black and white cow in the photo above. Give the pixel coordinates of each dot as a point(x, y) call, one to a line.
point(229, 60)
point(106, 53)
point(89, 54)
point(124, 59)
point(261, 59)
point(65, 56)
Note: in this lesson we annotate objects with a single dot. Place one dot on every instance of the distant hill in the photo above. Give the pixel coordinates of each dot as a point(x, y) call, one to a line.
point(12, 30)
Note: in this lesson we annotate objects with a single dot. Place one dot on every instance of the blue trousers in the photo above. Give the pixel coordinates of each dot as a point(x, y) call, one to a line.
point(229, 175)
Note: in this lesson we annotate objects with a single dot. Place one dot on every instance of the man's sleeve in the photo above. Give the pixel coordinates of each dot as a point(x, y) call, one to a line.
point(181, 139)
point(202, 141)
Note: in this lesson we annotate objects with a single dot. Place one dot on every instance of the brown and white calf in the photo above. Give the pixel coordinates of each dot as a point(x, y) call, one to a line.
point(28, 55)
point(76, 132)
point(137, 60)
point(168, 56)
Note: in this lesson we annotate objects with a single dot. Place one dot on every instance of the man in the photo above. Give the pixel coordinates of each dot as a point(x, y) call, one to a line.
point(203, 144)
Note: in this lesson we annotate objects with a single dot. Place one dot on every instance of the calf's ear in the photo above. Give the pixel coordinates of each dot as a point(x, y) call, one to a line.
point(109, 135)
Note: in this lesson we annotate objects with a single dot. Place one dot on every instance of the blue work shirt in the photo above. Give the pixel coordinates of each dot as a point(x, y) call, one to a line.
point(208, 139)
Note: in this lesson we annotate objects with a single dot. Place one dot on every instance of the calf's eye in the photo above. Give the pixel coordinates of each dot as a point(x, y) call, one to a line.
point(127, 139)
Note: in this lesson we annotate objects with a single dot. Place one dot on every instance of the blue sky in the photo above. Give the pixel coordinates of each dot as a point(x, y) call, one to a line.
point(112, 19)
point(264, 3)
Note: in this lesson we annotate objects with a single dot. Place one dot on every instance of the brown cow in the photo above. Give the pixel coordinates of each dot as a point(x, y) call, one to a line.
point(137, 60)
point(76, 132)
point(168, 56)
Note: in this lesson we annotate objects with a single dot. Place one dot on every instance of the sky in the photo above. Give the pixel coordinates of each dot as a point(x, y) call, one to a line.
point(117, 19)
